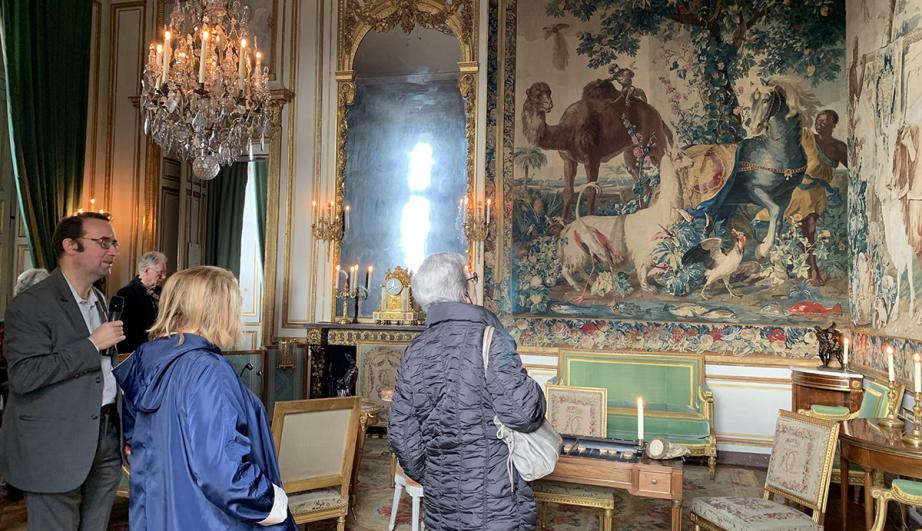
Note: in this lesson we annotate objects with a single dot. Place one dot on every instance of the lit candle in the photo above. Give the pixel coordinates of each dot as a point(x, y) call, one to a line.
point(368, 277)
point(336, 282)
point(890, 373)
point(918, 373)
point(844, 352)
point(489, 201)
point(92, 203)
point(159, 54)
point(203, 58)
point(314, 211)
point(241, 60)
point(331, 213)
point(259, 60)
point(465, 209)
point(165, 69)
point(355, 274)
point(346, 218)
point(640, 418)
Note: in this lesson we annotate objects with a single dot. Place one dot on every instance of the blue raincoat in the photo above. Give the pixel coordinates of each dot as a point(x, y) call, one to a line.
point(201, 451)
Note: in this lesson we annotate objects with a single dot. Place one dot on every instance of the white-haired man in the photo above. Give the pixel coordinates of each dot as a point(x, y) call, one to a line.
point(142, 296)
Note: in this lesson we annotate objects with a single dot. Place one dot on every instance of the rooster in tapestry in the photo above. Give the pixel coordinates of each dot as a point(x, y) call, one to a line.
point(718, 265)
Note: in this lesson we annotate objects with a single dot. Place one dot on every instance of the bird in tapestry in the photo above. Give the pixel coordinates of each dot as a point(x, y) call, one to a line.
point(718, 265)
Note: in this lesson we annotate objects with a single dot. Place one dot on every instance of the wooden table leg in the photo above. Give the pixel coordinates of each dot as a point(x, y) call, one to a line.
point(606, 524)
point(868, 501)
point(676, 515)
point(843, 487)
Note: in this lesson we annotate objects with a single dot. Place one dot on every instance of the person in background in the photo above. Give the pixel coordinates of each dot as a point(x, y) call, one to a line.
point(441, 419)
point(201, 451)
point(25, 280)
point(142, 295)
point(60, 437)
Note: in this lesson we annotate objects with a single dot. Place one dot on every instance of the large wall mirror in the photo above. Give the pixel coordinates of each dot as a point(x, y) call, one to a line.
point(407, 149)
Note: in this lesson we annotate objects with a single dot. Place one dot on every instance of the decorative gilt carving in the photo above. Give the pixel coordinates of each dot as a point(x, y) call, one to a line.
point(354, 337)
point(313, 336)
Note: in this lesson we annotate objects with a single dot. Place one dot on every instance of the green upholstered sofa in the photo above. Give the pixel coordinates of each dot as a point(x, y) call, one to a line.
point(679, 404)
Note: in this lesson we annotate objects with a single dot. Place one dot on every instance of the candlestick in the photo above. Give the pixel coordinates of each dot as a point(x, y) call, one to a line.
point(203, 58)
point(892, 420)
point(918, 374)
point(165, 69)
point(890, 373)
point(844, 353)
point(640, 433)
point(368, 277)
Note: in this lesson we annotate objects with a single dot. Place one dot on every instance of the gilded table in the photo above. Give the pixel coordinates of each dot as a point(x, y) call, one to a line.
point(874, 447)
point(648, 478)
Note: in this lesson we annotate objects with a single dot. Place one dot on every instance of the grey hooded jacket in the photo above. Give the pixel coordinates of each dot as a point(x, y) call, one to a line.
point(441, 421)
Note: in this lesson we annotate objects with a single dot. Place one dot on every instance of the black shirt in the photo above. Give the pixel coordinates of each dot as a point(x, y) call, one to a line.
point(139, 315)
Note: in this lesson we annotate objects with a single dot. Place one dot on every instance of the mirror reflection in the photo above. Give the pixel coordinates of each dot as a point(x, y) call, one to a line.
point(405, 167)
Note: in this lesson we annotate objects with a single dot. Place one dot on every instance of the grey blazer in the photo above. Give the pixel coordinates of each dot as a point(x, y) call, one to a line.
point(51, 423)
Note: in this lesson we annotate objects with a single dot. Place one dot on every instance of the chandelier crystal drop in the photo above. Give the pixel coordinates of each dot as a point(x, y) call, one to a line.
point(204, 91)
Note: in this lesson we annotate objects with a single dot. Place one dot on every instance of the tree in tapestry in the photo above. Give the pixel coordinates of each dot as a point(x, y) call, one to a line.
point(694, 170)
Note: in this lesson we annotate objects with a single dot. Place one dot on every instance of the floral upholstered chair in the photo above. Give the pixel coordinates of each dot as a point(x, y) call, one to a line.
point(315, 442)
point(576, 411)
point(798, 471)
point(902, 491)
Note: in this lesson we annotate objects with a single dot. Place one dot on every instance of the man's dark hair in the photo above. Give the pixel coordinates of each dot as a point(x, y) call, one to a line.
point(72, 227)
point(833, 114)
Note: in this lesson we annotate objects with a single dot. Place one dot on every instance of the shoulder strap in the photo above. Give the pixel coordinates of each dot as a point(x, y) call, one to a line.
point(487, 340)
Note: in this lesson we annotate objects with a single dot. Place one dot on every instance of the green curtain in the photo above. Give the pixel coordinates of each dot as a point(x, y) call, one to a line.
point(46, 54)
point(226, 198)
point(261, 174)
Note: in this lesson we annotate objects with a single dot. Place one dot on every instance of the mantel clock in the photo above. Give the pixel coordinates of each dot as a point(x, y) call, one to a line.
point(397, 304)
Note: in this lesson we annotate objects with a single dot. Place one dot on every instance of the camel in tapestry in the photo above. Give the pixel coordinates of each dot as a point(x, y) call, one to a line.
point(592, 131)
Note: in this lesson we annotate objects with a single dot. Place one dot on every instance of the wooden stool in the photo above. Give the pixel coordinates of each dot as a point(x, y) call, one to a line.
point(573, 494)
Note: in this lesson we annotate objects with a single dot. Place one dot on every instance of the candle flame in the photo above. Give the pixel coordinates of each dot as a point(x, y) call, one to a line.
point(639, 400)
point(166, 35)
point(243, 43)
point(204, 34)
point(313, 204)
point(889, 349)
point(915, 358)
point(159, 48)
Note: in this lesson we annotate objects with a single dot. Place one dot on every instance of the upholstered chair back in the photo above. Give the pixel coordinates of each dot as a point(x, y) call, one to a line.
point(875, 403)
point(315, 441)
point(801, 460)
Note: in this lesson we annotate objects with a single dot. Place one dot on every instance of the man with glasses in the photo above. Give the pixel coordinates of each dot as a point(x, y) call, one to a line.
point(142, 296)
point(60, 437)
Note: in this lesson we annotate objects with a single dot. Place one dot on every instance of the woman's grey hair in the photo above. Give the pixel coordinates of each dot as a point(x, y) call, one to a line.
point(150, 259)
point(29, 278)
point(440, 278)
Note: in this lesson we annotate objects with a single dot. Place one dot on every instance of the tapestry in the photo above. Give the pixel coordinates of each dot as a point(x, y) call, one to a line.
point(669, 167)
point(885, 200)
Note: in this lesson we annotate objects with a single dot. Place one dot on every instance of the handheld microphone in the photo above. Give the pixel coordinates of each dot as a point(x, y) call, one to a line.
point(116, 307)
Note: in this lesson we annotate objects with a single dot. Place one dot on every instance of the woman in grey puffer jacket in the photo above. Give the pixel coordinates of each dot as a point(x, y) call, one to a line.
point(441, 419)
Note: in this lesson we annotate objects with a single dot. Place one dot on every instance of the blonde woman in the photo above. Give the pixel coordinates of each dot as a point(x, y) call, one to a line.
point(201, 450)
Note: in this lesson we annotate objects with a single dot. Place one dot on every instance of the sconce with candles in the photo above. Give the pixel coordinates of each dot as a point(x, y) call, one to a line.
point(476, 220)
point(91, 209)
point(328, 227)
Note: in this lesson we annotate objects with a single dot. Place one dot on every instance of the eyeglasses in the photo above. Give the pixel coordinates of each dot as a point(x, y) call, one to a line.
point(105, 243)
point(473, 278)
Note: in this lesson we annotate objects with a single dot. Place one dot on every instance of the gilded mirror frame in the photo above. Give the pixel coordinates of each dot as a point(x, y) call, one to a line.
point(355, 20)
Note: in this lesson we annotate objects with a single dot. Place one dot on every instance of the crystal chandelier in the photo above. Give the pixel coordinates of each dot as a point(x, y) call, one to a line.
point(204, 90)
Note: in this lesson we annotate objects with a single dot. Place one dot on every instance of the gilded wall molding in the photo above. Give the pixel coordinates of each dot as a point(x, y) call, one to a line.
point(355, 20)
point(270, 269)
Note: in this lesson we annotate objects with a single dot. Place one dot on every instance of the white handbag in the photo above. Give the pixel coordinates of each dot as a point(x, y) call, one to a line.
point(533, 454)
